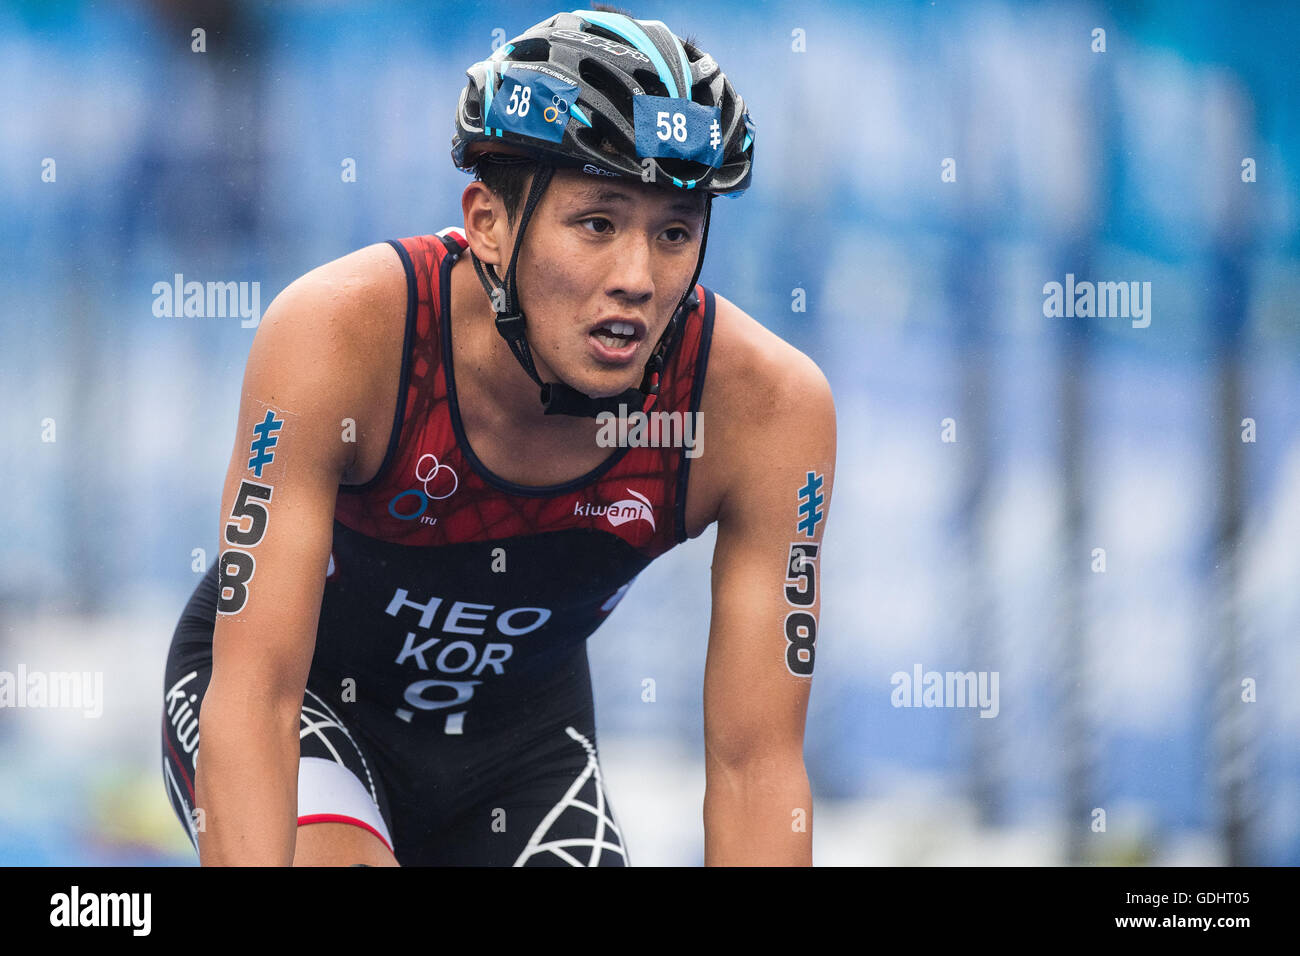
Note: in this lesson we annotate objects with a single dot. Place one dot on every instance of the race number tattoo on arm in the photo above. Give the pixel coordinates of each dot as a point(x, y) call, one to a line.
point(810, 505)
point(803, 572)
point(249, 519)
point(801, 592)
point(256, 514)
point(801, 580)
point(237, 569)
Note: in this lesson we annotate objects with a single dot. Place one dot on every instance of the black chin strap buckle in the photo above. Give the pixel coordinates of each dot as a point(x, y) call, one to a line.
point(511, 327)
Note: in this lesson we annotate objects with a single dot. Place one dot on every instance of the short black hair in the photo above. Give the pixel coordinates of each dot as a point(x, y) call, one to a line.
point(508, 177)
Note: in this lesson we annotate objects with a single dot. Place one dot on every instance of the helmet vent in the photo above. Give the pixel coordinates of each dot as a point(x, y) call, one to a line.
point(599, 31)
point(603, 80)
point(728, 108)
point(604, 137)
point(531, 50)
point(650, 82)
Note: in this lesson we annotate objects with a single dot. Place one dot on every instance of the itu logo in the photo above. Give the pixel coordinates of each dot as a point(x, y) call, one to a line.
point(437, 481)
point(558, 111)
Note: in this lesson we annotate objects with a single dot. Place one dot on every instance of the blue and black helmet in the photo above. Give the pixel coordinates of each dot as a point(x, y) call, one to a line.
point(624, 97)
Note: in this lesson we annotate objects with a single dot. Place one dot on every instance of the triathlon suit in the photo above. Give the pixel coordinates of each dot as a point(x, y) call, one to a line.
point(448, 708)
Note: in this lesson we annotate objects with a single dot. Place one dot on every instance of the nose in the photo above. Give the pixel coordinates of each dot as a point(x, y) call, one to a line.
point(632, 276)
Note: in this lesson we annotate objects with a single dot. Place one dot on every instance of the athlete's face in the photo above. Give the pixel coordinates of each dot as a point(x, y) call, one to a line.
point(604, 262)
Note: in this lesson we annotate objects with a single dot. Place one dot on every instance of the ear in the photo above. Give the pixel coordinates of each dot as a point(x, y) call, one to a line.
point(486, 227)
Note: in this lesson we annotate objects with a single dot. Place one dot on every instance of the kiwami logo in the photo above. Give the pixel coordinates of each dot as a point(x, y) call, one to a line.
point(184, 718)
point(102, 909)
point(620, 512)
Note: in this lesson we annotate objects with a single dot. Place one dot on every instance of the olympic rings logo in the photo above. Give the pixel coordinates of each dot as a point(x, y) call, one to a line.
point(432, 474)
point(558, 105)
point(427, 470)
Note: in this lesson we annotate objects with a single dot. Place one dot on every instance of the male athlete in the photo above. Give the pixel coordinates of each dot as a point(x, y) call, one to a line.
point(387, 665)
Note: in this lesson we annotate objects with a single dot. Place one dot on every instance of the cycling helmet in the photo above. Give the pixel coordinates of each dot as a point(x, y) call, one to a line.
point(614, 97)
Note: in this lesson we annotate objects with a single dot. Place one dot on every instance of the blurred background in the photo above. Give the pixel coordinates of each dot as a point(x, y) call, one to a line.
point(1164, 150)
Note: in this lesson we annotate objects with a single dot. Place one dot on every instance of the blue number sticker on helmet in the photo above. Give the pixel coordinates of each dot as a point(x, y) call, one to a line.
point(533, 104)
point(669, 127)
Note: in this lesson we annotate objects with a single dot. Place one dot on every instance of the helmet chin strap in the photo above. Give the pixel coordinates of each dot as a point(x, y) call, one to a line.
point(558, 398)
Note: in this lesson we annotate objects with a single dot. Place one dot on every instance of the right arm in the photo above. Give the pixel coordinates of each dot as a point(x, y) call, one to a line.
point(309, 368)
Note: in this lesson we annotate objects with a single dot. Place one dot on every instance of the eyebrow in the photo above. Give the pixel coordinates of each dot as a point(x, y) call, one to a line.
point(601, 194)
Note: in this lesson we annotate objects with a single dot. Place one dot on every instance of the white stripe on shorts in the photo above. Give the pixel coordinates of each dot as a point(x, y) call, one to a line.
point(326, 787)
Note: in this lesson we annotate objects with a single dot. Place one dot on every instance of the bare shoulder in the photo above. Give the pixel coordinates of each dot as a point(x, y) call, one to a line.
point(331, 343)
point(763, 400)
point(757, 378)
point(339, 303)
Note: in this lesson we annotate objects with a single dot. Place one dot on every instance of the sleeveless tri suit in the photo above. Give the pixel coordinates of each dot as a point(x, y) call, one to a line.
point(448, 708)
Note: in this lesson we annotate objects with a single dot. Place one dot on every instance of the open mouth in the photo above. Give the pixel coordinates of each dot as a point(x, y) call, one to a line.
point(616, 335)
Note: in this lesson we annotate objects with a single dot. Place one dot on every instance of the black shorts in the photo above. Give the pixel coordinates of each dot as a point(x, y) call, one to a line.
point(524, 790)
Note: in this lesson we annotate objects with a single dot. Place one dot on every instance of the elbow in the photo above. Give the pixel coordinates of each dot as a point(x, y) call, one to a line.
point(232, 711)
point(746, 756)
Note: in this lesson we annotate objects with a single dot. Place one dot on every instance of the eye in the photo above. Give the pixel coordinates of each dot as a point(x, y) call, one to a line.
point(600, 219)
point(684, 236)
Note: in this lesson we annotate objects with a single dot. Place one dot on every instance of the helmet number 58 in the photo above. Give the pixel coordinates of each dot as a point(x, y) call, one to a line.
point(519, 100)
point(676, 130)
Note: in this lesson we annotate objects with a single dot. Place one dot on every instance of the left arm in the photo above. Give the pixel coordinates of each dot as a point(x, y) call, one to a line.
point(762, 635)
